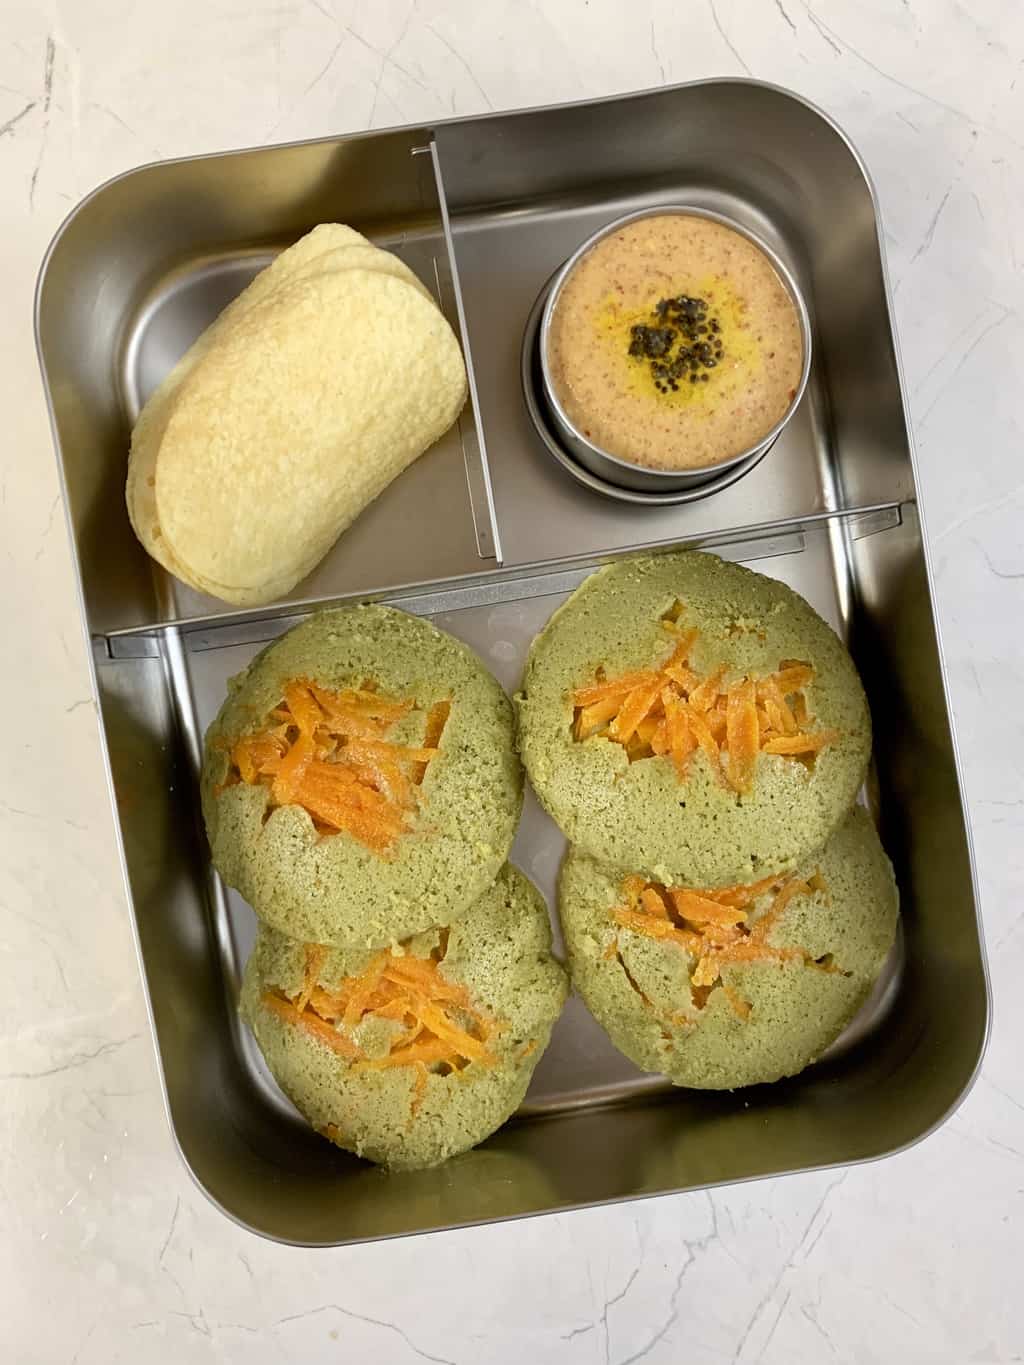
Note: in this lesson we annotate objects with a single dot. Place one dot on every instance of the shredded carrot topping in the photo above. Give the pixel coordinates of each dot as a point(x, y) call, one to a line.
point(329, 752)
point(440, 1030)
point(332, 1133)
point(671, 711)
point(715, 927)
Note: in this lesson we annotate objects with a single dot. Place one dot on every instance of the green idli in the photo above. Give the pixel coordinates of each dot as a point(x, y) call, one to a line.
point(413, 1054)
point(759, 674)
point(719, 1006)
point(407, 804)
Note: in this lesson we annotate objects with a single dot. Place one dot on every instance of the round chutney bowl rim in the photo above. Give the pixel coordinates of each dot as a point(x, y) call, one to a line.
point(631, 467)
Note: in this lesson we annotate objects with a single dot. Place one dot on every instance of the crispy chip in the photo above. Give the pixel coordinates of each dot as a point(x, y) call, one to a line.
point(241, 505)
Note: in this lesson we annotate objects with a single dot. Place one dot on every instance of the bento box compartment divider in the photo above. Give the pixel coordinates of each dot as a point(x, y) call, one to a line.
point(474, 446)
point(768, 540)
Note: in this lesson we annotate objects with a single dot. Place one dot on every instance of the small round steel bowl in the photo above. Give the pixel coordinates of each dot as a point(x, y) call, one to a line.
point(612, 469)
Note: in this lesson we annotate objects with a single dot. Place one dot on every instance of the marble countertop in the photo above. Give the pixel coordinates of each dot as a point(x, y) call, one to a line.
point(109, 1253)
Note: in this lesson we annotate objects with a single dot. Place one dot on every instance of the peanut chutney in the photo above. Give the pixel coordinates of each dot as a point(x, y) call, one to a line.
point(674, 343)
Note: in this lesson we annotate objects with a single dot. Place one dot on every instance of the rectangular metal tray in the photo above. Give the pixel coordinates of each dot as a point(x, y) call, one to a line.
point(484, 210)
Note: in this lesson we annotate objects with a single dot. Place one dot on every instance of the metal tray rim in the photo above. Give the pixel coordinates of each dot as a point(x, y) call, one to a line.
point(925, 549)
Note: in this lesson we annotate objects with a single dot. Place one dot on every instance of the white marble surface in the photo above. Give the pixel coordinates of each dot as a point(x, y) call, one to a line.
point(107, 1252)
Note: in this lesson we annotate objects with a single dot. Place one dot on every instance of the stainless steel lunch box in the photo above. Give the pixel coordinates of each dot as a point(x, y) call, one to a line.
point(486, 534)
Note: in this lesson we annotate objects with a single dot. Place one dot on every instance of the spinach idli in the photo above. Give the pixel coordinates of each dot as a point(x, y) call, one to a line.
point(730, 987)
point(360, 782)
point(692, 720)
point(410, 1055)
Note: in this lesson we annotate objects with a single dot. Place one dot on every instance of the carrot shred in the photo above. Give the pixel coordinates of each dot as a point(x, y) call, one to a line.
point(432, 1051)
point(653, 903)
point(763, 927)
point(817, 884)
point(758, 952)
point(777, 710)
point(670, 711)
point(716, 721)
point(634, 709)
point(741, 734)
point(705, 741)
point(461, 1042)
point(791, 745)
point(303, 707)
point(713, 928)
point(741, 896)
point(311, 1023)
point(586, 696)
point(249, 755)
point(681, 738)
point(694, 905)
point(645, 730)
point(289, 773)
point(658, 928)
point(591, 718)
point(437, 719)
point(793, 676)
point(329, 753)
point(660, 742)
point(681, 652)
point(684, 678)
point(705, 694)
point(315, 956)
point(439, 1027)
point(360, 997)
point(721, 935)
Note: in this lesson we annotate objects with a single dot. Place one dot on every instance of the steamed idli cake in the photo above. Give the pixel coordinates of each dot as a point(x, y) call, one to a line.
point(717, 989)
point(692, 720)
point(410, 1055)
point(360, 782)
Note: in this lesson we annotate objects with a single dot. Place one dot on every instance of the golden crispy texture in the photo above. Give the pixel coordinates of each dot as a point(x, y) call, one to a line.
point(329, 253)
point(303, 256)
point(296, 421)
